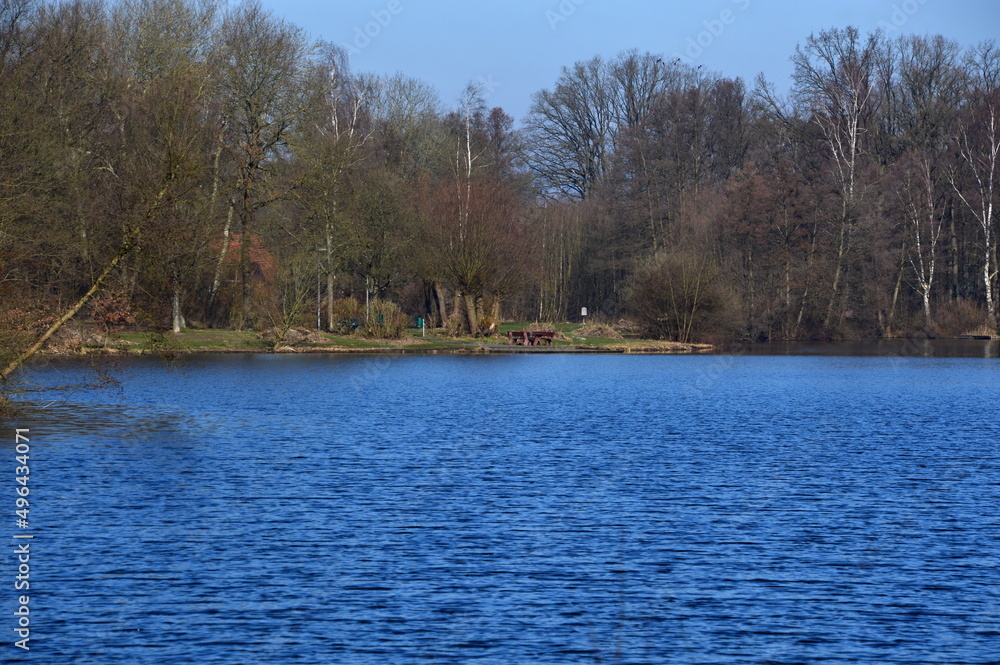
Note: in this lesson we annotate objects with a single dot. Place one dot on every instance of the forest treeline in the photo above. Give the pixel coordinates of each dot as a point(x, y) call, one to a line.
point(183, 162)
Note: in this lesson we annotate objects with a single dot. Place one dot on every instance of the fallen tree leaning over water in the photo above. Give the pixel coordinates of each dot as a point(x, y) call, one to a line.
point(26, 355)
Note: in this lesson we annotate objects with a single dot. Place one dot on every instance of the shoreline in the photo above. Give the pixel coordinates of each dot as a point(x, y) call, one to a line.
point(83, 340)
point(228, 342)
point(675, 348)
point(888, 348)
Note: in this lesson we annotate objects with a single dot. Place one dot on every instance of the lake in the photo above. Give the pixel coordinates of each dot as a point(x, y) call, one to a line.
point(510, 509)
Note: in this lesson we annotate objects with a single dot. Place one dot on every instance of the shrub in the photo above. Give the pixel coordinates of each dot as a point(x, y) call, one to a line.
point(385, 320)
point(681, 296)
point(962, 317)
point(113, 309)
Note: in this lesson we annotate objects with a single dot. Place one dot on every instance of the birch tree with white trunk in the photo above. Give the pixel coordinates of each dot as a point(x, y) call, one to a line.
point(833, 78)
point(977, 139)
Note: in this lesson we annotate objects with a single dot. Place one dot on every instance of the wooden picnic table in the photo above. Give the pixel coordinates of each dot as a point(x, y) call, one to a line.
point(531, 337)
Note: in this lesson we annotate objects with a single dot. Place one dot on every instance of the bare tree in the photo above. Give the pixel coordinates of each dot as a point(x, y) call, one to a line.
point(376, 233)
point(570, 129)
point(163, 47)
point(263, 74)
point(920, 200)
point(130, 193)
point(978, 142)
point(328, 143)
point(834, 79)
point(638, 82)
point(927, 93)
point(404, 112)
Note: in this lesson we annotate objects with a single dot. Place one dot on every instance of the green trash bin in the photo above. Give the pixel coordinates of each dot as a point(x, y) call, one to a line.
point(420, 322)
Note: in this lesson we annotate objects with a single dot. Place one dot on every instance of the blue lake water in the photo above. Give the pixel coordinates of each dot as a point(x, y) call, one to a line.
point(515, 509)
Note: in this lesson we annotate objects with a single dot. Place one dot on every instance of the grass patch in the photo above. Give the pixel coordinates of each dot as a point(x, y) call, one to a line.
point(231, 340)
point(195, 340)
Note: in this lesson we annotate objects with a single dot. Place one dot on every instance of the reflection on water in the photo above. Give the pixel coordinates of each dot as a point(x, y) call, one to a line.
point(520, 509)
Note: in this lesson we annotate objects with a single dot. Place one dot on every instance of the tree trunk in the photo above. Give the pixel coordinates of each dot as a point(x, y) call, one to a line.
point(246, 279)
point(217, 278)
point(473, 313)
point(329, 302)
point(802, 311)
point(442, 303)
point(896, 289)
point(177, 318)
point(955, 275)
point(836, 276)
point(457, 316)
point(330, 323)
point(988, 283)
point(495, 314)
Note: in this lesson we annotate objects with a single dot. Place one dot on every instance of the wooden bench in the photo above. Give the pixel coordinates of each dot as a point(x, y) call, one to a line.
point(531, 337)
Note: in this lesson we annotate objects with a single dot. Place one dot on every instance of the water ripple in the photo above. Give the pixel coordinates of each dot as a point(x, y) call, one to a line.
point(257, 509)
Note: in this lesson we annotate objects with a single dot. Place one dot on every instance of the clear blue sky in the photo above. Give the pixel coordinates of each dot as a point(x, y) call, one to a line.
point(517, 47)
